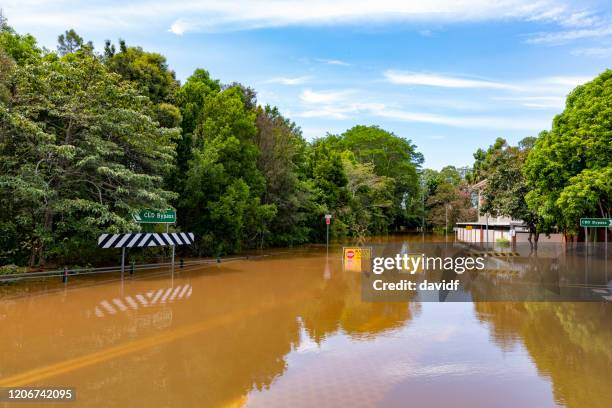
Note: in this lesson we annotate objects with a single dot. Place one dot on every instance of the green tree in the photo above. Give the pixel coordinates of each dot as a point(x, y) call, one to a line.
point(190, 99)
point(368, 195)
point(223, 185)
point(20, 48)
point(149, 70)
point(566, 168)
point(79, 152)
point(446, 197)
point(506, 187)
point(70, 42)
point(483, 158)
point(393, 157)
point(282, 152)
point(327, 182)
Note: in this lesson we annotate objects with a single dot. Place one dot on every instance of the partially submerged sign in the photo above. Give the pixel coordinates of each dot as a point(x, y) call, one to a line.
point(143, 239)
point(155, 217)
point(356, 258)
point(596, 222)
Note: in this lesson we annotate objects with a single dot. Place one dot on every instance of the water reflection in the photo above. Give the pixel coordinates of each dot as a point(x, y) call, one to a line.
point(292, 330)
point(570, 343)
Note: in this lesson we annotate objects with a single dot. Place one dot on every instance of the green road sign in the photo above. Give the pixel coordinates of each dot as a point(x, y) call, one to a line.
point(155, 217)
point(596, 222)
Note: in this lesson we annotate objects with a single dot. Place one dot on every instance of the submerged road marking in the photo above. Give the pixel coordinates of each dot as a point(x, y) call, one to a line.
point(53, 370)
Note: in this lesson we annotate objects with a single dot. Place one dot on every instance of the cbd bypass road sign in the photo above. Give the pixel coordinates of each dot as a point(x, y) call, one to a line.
point(155, 217)
point(596, 222)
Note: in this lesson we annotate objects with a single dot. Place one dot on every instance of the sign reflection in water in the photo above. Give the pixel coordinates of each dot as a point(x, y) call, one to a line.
point(280, 331)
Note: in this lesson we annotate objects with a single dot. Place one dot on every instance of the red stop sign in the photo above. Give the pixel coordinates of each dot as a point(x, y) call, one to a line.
point(350, 253)
point(328, 221)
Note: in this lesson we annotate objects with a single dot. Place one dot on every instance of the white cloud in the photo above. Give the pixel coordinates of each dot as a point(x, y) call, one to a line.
point(333, 62)
point(180, 26)
point(536, 102)
point(595, 52)
point(563, 37)
point(566, 81)
point(509, 122)
point(423, 79)
point(349, 104)
point(324, 97)
point(214, 15)
point(289, 81)
point(553, 85)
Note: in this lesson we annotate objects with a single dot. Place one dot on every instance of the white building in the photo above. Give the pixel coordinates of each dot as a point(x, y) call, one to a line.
point(488, 229)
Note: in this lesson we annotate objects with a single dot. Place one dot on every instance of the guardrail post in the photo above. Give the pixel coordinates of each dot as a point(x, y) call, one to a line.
point(65, 276)
point(181, 263)
point(218, 260)
point(132, 267)
point(122, 261)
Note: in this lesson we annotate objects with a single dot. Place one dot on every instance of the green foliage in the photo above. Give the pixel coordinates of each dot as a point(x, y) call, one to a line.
point(282, 152)
point(79, 152)
point(506, 188)
point(223, 184)
point(86, 139)
point(393, 157)
point(567, 168)
point(21, 48)
point(70, 42)
point(368, 196)
point(483, 158)
point(447, 199)
point(148, 70)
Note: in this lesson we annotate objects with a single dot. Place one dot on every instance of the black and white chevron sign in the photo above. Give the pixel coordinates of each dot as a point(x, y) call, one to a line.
point(143, 239)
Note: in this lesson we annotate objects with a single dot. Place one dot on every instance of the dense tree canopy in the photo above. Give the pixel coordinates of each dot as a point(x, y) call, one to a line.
point(506, 188)
point(88, 138)
point(447, 198)
point(568, 170)
point(80, 151)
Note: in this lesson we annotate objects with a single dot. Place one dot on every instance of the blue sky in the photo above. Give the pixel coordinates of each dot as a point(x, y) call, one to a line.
point(449, 75)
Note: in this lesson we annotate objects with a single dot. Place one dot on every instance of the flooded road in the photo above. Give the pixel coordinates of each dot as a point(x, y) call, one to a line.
point(291, 330)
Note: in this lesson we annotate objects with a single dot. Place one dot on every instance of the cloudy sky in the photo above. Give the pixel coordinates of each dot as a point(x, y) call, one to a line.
point(449, 75)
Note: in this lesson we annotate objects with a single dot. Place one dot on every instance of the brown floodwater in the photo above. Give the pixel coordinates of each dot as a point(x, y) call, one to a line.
point(291, 330)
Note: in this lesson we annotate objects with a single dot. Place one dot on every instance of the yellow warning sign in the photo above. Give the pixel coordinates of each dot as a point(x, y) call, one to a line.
point(356, 258)
point(468, 227)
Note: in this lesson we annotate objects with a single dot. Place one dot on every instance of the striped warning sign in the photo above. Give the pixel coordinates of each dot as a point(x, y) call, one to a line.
point(143, 239)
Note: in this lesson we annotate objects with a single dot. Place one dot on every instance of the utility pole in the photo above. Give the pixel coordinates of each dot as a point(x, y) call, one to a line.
point(446, 223)
point(423, 205)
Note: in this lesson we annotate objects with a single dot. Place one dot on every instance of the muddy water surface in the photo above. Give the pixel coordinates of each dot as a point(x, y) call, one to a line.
point(291, 330)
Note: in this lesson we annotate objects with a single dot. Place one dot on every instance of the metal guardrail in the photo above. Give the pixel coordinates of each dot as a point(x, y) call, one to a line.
point(66, 273)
